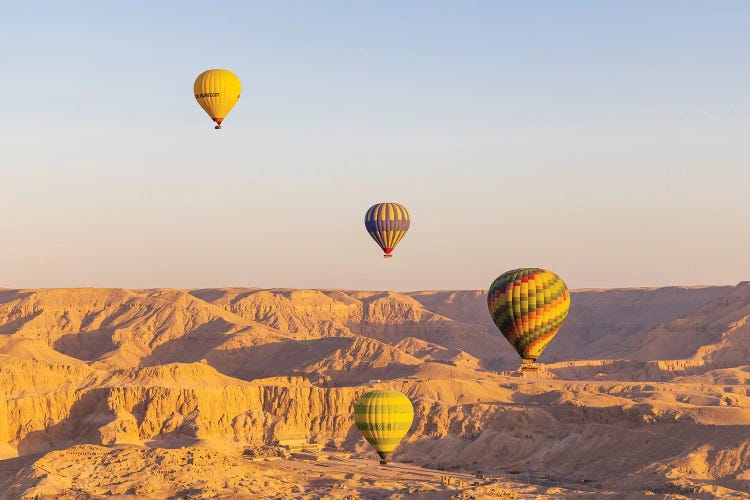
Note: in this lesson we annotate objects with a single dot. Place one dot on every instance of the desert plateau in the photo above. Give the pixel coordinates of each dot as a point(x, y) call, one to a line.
point(249, 393)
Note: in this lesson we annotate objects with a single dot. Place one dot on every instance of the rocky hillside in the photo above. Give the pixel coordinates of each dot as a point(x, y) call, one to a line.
point(649, 383)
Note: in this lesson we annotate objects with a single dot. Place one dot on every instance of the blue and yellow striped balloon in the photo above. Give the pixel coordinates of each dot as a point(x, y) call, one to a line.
point(383, 418)
point(387, 223)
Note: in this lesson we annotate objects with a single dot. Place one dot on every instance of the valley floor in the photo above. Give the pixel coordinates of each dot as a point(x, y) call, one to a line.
point(92, 471)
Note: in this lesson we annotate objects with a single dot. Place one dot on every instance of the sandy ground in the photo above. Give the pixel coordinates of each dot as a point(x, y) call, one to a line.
point(90, 471)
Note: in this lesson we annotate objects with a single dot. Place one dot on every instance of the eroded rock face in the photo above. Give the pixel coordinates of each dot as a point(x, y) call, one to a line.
point(131, 409)
point(164, 368)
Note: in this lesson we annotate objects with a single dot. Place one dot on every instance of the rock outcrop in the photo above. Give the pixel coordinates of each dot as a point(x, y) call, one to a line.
point(652, 384)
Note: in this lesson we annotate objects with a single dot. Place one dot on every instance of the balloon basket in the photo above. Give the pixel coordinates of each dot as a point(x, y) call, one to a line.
point(383, 462)
point(530, 367)
point(386, 256)
point(533, 370)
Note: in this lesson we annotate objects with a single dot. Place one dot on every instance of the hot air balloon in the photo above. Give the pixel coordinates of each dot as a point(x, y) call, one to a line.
point(387, 223)
point(383, 418)
point(217, 91)
point(528, 306)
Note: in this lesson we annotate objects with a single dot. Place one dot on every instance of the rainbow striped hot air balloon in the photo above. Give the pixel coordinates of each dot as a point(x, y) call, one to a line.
point(387, 223)
point(383, 418)
point(528, 306)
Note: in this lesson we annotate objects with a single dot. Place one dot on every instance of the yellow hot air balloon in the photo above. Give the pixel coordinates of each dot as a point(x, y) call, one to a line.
point(217, 91)
point(383, 418)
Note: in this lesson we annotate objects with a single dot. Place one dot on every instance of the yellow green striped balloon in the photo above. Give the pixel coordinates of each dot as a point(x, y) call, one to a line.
point(387, 224)
point(528, 306)
point(383, 418)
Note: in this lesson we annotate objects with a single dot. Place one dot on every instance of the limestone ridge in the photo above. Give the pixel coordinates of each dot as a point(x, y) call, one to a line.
point(162, 368)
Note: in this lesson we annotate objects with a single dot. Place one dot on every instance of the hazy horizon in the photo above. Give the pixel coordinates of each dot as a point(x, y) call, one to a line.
point(603, 141)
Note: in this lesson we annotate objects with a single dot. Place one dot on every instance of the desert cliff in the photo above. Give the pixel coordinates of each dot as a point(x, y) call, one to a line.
point(643, 390)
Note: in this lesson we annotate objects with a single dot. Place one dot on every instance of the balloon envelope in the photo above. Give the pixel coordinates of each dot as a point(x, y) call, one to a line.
point(217, 91)
point(383, 418)
point(528, 306)
point(387, 223)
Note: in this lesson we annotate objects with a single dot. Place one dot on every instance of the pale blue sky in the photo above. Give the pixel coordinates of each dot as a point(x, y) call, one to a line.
point(607, 141)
